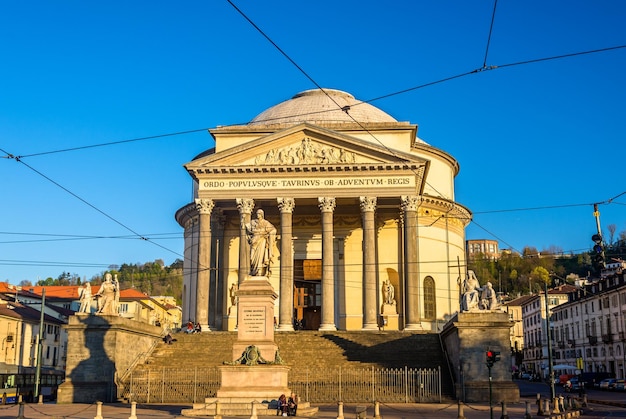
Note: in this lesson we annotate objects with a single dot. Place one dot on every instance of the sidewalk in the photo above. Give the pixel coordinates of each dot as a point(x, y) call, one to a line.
point(327, 411)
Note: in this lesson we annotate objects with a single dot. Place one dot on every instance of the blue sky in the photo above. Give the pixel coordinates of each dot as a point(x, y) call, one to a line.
point(76, 74)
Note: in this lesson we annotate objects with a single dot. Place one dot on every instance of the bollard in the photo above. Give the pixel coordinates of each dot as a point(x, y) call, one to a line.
point(98, 410)
point(340, 410)
point(555, 405)
point(461, 413)
point(20, 413)
point(546, 407)
point(19, 398)
point(133, 410)
point(562, 403)
point(539, 405)
point(527, 415)
point(218, 410)
point(40, 399)
point(377, 410)
point(254, 416)
point(505, 414)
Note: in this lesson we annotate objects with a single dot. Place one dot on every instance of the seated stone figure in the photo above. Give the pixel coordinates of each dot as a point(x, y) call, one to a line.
point(470, 300)
point(488, 298)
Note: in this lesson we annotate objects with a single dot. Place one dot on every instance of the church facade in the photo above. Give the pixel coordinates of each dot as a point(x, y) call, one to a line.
point(368, 233)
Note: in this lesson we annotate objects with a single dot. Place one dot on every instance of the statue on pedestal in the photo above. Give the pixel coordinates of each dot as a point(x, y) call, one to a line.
point(470, 299)
point(107, 293)
point(474, 297)
point(261, 237)
point(233, 297)
point(389, 293)
point(488, 298)
point(84, 295)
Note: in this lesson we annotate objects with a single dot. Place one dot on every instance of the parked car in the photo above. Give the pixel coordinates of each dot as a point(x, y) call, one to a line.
point(526, 376)
point(606, 383)
point(620, 385)
point(614, 385)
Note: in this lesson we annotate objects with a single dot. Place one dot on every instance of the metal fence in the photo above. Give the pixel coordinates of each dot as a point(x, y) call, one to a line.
point(350, 385)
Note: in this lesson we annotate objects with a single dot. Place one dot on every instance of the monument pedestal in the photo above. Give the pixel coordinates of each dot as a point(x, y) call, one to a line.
point(389, 316)
point(256, 318)
point(255, 375)
point(467, 337)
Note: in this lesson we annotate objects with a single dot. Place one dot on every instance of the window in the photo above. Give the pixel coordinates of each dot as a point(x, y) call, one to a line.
point(430, 306)
point(123, 308)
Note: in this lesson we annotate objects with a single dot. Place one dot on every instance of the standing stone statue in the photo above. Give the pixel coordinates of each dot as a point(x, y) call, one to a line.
point(84, 296)
point(106, 294)
point(389, 293)
point(261, 237)
point(233, 297)
point(470, 300)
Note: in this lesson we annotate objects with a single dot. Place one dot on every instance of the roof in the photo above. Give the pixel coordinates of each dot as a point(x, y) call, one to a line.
point(25, 313)
point(519, 301)
point(322, 106)
point(70, 292)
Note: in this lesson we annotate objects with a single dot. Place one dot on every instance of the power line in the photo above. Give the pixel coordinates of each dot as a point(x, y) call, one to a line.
point(493, 17)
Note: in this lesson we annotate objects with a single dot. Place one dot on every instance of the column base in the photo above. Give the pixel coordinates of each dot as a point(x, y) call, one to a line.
point(370, 326)
point(413, 327)
point(284, 328)
point(327, 328)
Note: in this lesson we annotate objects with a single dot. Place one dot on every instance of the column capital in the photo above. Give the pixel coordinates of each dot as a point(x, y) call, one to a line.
point(368, 203)
point(286, 204)
point(326, 204)
point(410, 202)
point(204, 206)
point(245, 205)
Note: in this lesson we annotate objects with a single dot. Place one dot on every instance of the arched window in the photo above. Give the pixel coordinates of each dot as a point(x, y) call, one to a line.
point(430, 306)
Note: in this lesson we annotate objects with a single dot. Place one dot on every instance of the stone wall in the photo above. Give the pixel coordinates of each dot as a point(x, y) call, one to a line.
point(99, 350)
point(467, 337)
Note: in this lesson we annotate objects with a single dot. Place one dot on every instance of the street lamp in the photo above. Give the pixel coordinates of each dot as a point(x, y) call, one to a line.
point(549, 335)
point(40, 344)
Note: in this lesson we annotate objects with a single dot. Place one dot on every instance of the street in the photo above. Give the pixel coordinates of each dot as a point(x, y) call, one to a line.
point(594, 410)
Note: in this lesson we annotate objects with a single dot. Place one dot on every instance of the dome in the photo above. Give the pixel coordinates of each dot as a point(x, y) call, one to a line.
point(320, 107)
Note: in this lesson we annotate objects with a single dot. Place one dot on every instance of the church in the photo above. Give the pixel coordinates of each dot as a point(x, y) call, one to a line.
point(368, 234)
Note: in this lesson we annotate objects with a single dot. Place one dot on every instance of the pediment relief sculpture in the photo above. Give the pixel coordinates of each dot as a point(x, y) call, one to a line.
point(306, 152)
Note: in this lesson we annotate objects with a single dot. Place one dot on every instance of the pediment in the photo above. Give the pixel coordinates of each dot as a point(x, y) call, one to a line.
point(304, 145)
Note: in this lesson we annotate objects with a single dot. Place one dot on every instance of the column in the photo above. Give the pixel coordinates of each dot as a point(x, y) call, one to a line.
point(368, 207)
point(327, 206)
point(286, 207)
point(204, 208)
point(411, 280)
point(245, 207)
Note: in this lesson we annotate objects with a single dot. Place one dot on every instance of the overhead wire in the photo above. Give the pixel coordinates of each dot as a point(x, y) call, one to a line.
point(485, 67)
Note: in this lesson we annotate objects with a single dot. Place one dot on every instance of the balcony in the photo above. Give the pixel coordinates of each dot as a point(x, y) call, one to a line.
point(571, 343)
point(593, 340)
point(608, 338)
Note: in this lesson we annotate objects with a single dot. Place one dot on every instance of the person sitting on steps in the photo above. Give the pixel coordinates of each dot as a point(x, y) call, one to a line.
point(282, 406)
point(292, 405)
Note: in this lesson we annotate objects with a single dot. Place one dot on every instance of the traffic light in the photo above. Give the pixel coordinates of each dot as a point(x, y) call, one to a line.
point(597, 253)
point(492, 357)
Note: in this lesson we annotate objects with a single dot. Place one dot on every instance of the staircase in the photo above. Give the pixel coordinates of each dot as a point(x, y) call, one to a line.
point(312, 351)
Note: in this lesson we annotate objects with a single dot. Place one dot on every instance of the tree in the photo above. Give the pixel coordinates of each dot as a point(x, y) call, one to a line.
point(540, 275)
point(612, 229)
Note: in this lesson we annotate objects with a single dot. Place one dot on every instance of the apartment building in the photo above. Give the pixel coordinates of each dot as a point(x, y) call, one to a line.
point(535, 351)
point(589, 330)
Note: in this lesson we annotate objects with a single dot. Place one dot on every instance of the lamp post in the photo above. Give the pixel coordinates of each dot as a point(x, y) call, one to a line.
point(40, 344)
point(549, 336)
